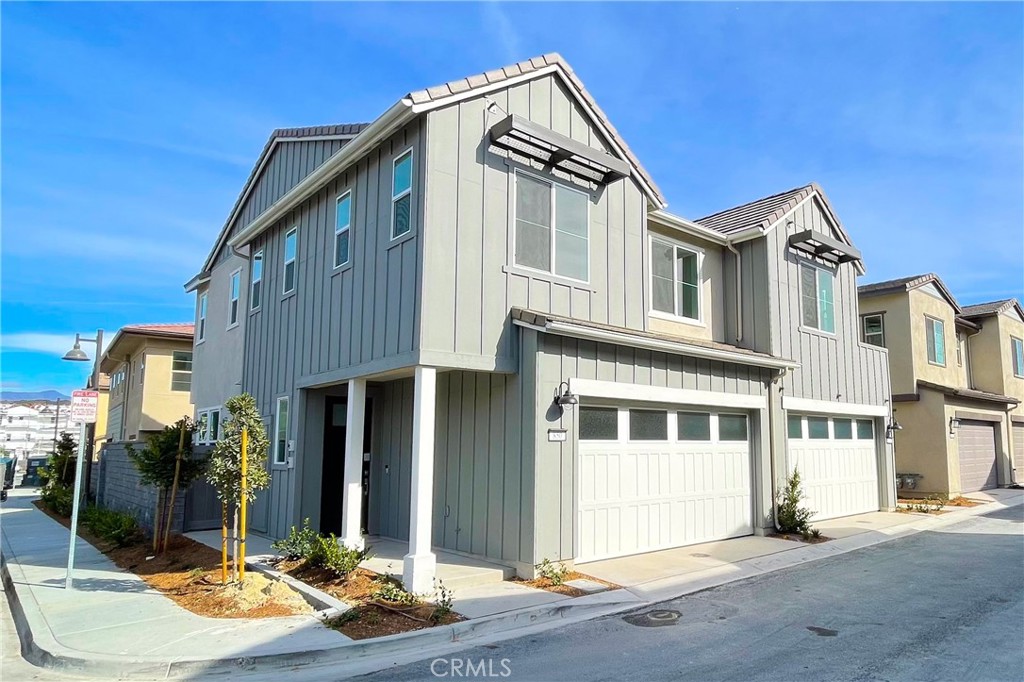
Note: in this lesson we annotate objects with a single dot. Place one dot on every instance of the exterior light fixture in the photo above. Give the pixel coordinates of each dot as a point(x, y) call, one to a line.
point(76, 354)
point(890, 430)
point(565, 399)
point(954, 424)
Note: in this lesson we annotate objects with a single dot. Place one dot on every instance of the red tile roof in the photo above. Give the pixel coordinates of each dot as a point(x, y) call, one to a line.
point(179, 328)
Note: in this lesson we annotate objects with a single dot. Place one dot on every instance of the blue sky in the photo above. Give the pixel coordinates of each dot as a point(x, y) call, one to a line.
point(129, 129)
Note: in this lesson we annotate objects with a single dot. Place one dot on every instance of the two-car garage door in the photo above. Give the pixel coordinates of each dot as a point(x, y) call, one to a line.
point(652, 479)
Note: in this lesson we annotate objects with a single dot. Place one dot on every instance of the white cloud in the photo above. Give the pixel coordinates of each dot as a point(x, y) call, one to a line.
point(503, 28)
point(39, 342)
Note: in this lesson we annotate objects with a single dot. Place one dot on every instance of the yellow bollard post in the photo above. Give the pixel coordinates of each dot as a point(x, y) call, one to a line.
point(223, 543)
point(242, 502)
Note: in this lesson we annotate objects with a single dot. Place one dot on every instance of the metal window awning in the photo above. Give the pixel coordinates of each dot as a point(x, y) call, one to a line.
point(555, 150)
point(823, 246)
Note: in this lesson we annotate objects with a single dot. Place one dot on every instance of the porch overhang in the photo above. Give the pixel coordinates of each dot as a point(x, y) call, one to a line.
point(970, 394)
point(520, 136)
point(824, 246)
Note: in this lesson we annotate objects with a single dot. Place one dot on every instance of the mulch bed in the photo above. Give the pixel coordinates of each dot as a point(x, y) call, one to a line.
point(796, 537)
point(567, 590)
point(189, 573)
point(369, 616)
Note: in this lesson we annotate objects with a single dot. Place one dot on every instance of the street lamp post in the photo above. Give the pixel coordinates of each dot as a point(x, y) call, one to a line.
point(76, 354)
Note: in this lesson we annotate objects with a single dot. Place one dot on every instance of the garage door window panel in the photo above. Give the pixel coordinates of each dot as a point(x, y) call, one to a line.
point(732, 427)
point(795, 425)
point(817, 428)
point(648, 425)
point(843, 429)
point(865, 429)
point(599, 424)
point(694, 426)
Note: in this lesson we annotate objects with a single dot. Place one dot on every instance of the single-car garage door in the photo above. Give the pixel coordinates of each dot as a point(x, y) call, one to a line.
point(977, 444)
point(1018, 447)
point(652, 479)
point(838, 463)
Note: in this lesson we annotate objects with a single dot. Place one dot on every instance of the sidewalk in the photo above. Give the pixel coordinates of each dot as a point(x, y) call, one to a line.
point(115, 626)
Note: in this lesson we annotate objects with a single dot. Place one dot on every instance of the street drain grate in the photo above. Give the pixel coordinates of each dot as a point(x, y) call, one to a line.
point(653, 619)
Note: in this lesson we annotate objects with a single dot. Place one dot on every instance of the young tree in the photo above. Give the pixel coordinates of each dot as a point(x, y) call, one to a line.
point(60, 467)
point(167, 463)
point(225, 470)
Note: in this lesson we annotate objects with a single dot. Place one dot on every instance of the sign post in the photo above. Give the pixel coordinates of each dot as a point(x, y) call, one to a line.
point(84, 406)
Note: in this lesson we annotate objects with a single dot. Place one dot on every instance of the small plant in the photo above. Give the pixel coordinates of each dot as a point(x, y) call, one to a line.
point(443, 602)
point(391, 591)
point(58, 499)
point(344, 618)
point(793, 517)
point(555, 573)
point(815, 534)
point(325, 552)
point(113, 526)
point(299, 543)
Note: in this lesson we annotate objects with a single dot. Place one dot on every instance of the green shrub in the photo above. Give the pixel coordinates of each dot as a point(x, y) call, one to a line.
point(113, 526)
point(792, 516)
point(327, 553)
point(58, 499)
point(390, 590)
point(443, 603)
point(299, 543)
point(556, 573)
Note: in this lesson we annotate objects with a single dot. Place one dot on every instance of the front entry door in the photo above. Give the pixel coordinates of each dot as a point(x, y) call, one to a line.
point(333, 473)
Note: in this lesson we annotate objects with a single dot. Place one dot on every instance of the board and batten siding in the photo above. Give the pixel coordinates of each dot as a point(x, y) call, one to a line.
point(560, 358)
point(470, 198)
point(217, 360)
point(342, 322)
point(834, 367)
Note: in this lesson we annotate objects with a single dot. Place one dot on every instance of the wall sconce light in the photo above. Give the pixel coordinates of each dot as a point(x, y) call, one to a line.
point(890, 430)
point(954, 424)
point(565, 399)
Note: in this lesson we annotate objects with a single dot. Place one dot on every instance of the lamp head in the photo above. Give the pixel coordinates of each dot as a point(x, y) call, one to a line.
point(76, 354)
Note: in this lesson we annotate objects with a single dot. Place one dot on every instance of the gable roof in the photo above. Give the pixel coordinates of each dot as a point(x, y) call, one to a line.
point(161, 329)
point(906, 284)
point(131, 333)
point(992, 308)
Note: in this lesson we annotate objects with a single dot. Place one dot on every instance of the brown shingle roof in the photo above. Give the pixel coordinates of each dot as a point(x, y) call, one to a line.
point(900, 284)
point(761, 213)
point(990, 308)
point(971, 393)
point(163, 328)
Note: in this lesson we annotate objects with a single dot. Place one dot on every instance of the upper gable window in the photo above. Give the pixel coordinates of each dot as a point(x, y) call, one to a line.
point(873, 330)
point(935, 331)
point(675, 279)
point(235, 292)
point(256, 287)
point(201, 332)
point(342, 223)
point(1017, 345)
point(817, 302)
point(552, 228)
point(401, 195)
point(290, 249)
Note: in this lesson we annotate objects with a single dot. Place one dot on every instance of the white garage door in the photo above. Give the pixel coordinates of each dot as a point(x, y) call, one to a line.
point(976, 442)
point(654, 479)
point(838, 463)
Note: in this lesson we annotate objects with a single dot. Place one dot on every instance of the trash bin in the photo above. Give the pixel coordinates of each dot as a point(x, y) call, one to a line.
point(7, 469)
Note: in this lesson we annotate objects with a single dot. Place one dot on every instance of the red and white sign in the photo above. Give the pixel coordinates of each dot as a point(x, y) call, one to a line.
point(84, 405)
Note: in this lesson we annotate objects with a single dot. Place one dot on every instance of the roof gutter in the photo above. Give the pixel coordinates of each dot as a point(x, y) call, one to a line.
point(395, 117)
point(687, 226)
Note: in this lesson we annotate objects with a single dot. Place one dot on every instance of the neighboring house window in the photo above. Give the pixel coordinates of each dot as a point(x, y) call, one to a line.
point(181, 370)
point(209, 426)
point(342, 222)
point(202, 317)
point(817, 301)
point(290, 244)
point(935, 331)
point(675, 279)
point(873, 328)
point(142, 369)
point(959, 349)
point(552, 228)
point(256, 286)
point(281, 432)
point(202, 428)
point(1018, 356)
point(236, 290)
point(401, 195)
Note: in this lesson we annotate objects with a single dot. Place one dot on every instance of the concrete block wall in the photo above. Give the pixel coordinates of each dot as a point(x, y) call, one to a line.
point(118, 487)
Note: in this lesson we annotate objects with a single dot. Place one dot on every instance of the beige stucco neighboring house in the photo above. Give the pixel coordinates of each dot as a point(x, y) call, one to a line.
point(957, 384)
point(150, 369)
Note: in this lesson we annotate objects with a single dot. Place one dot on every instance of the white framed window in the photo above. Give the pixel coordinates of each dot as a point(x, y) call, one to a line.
point(181, 370)
point(401, 195)
point(1017, 347)
point(552, 227)
point(234, 292)
point(935, 341)
point(342, 229)
point(201, 327)
point(675, 279)
point(256, 280)
point(817, 298)
point(873, 329)
point(281, 431)
point(209, 425)
point(291, 241)
point(959, 349)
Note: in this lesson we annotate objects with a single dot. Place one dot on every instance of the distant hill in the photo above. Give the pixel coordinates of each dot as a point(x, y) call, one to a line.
point(33, 395)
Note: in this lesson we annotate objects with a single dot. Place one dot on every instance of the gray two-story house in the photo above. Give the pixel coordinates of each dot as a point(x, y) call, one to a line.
point(472, 325)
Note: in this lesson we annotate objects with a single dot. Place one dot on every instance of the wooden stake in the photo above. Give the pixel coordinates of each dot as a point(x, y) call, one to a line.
point(245, 461)
point(223, 543)
point(156, 520)
point(174, 485)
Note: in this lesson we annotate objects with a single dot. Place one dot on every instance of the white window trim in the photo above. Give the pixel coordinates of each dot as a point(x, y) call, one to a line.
point(191, 361)
point(829, 408)
point(553, 228)
point(348, 228)
point(277, 429)
point(238, 313)
point(285, 261)
point(863, 326)
point(206, 411)
point(1013, 358)
point(935, 362)
point(201, 321)
point(660, 314)
point(254, 280)
point(394, 198)
point(817, 290)
point(597, 388)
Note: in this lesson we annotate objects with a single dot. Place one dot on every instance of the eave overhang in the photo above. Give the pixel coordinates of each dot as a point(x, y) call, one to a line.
point(969, 393)
point(197, 281)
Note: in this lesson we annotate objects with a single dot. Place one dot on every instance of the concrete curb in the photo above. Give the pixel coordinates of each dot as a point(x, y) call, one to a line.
point(40, 647)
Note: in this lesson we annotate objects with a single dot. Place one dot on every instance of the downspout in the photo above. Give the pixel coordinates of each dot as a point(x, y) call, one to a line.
point(739, 288)
point(772, 427)
point(127, 390)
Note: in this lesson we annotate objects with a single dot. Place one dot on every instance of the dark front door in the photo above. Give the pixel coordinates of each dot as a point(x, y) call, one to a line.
point(333, 474)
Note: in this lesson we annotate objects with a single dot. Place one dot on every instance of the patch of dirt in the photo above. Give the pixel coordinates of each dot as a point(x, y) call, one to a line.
point(567, 590)
point(796, 537)
point(369, 616)
point(963, 502)
point(189, 573)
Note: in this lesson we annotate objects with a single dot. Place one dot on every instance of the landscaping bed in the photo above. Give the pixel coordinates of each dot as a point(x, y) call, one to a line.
point(553, 585)
point(189, 573)
point(799, 537)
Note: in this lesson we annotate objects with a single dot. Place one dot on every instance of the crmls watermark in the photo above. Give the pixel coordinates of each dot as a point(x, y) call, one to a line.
point(467, 667)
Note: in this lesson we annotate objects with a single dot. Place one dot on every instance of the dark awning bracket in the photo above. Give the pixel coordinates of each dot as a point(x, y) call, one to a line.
point(520, 136)
point(823, 246)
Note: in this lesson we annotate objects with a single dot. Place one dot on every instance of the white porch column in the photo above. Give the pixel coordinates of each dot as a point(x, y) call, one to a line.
point(352, 481)
point(420, 562)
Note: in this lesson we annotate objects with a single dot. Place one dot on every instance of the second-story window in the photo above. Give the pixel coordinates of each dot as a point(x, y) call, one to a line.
point(552, 228)
point(290, 251)
point(202, 317)
point(181, 370)
point(401, 195)
point(1017, 346)
point(281, 432)
point(235, 290)
point(936, 340)
point(342, 223)
point(675, 279)
point(873, 330)
point(817, 302)
point(959, 349)
point(256, 286)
